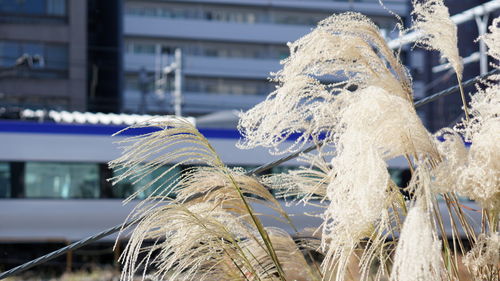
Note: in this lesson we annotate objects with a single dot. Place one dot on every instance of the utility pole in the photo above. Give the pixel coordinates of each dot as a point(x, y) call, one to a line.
point(161, 80)
point(482, 26)
point(177, 94)
point(143, 88)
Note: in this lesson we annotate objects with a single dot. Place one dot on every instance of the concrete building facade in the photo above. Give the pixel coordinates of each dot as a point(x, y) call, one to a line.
point(229, 47)
point(43, 54)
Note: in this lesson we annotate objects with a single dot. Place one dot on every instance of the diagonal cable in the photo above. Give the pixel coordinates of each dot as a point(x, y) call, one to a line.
point(454, 89)
point(260, 169)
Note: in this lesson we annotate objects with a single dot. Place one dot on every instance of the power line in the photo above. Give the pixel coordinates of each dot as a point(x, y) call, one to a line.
point(255, 171)
point(453, 89)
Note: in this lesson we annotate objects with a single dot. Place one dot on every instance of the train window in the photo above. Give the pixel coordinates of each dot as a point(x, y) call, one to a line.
point(4, 180)
point(282, 169)
point(127, 187)
point(61, 180)
point(401, 177)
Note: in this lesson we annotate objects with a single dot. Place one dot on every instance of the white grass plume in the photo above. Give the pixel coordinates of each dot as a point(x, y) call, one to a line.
point(483, 259)
point(454, 155)
point(479, 177)
point(172, 140)
point(418, 253)
point(194, 243)
point(389, 123)
point(293, 261)
point(212, 201)
point(439, 31)
point(208, 184)
point(346, 47)
point(302, 105)
point(358, 200)
point(305, 183)
point(375, 126)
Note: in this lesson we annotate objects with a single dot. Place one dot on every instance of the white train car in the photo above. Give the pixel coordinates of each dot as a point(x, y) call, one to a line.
point(53, 180)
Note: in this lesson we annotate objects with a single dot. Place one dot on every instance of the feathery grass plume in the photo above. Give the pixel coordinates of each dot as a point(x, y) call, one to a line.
point(418, 253)
point(346, 47)
point(389, 123)
point(483, 259)
point(209, 184)
point(358, 200)
point(382, 62)
point(305, 183)
point(439, 32)
point(302, 105)
point(454, 154)
point(215, 186)
point(479, 178)
point(294, 264)
point(193, 243)
point(172, 140)
point(374, 127)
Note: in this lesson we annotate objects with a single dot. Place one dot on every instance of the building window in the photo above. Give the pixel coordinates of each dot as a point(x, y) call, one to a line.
point(32, 10)
point(34, 59)
point(56, 7)
point(9, 52)
point(230, 16)
point(294, 18)
point(128, 187)
point(144, 49)
point(228, 86)
point(56, 57)
point(5, 190)
point(164, 12)
point(61, 180)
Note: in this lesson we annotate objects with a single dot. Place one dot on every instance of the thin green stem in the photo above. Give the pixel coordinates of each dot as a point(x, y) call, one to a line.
point(263, 233)
point(462, 94)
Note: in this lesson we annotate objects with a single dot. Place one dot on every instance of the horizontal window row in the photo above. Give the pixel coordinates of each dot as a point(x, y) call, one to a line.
point(34, 59)
point(244, 15)
point(223, 14)
point(207, 49)
point(32, 11)
point(54, 180)
point(57, 180)
point(205, 85)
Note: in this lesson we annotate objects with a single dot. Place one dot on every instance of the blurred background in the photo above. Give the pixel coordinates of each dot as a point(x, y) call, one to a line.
point(73, 72)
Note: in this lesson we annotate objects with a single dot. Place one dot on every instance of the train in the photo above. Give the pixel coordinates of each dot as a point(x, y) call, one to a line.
point(53, 183)
point(53, 178)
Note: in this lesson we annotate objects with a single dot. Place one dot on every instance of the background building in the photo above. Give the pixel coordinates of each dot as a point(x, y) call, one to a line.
point(104, 67)
point(43, 54)
point(229, 47)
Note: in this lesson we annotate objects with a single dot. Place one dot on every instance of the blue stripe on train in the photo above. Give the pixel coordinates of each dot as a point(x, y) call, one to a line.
point(107, 130)
point(87, 129)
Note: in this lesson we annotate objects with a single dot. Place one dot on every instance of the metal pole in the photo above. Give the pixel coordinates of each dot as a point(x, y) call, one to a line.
point(143, 88)
point(482, 24)
point(177, 94)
